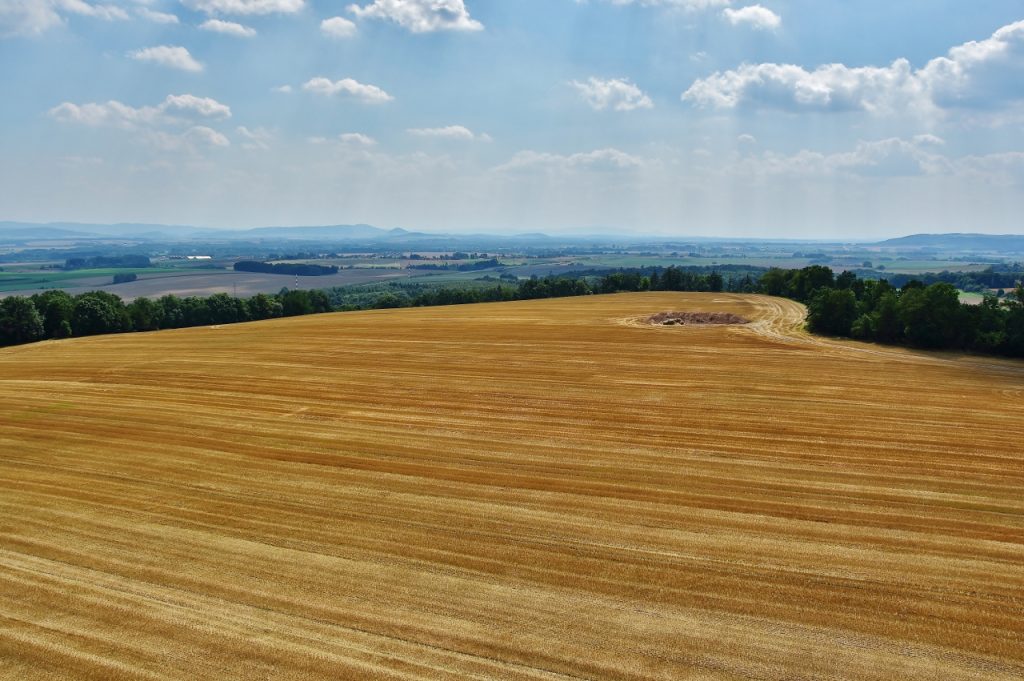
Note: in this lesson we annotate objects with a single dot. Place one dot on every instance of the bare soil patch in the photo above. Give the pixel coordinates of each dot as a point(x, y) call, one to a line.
point(696, 318)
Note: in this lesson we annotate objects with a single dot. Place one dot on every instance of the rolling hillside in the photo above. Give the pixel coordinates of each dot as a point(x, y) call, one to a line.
point(536, 490)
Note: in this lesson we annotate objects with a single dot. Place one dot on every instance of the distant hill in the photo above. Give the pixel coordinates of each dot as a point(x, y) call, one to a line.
point(16, 232)
point(28, 231)
point(999, 243)
point(20, 232)
point(325, 233)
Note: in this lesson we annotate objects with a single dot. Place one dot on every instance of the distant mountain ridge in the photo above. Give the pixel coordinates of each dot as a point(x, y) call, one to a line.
point(20, 232)
point(1001, 243)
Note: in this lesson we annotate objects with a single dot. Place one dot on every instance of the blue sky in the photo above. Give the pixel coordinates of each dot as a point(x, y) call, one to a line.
point(692, 117)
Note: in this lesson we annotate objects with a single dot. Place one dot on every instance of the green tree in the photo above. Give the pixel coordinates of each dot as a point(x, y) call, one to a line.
point(808, 280)
point(20, 321)
point(99, 312)
point(931, 316)
point(715, 282)
point(224, 309)
point(775, 282)
point(262, 306)
point(146, 314)
point(55, 307)
point(172, 312)
point(832, 311)
point(887, 326)
point(295, 303)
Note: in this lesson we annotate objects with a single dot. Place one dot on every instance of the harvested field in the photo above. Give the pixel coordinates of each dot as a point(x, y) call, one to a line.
point(530, 490)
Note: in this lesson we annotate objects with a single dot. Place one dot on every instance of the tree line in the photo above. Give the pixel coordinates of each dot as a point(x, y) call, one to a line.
point(463, 267)
point(56, 314)
point(916, 314)
point(106, 262)
point(1005, 276)
point(293, 269)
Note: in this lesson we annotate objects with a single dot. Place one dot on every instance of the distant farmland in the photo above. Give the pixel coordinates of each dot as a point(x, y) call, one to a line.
point(186, 282)
point(537, 490)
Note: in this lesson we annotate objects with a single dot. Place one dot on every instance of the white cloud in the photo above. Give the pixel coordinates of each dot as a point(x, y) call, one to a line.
point(451, 132)
point(24, 17)
point(834, 87)
point(367, 93)
point(283, 89)
point(420, 16)
point(119, 115)
point(246, 7)
point(34, 17)
point(205, 135)
point(350, 141)
point(172, 125)
point(338, 27)
point(687, 5)
point(111, 113)
point(617, 94)
point(228, 28)
point(105, 12)
point(600, 159)
point(255, 139)
point(170, 56)
point(978, 74)
point(203, 106)
point(157, 17)
point(892, 157)
point(357, 139)
point(887, 158)
point(746, 138)
point(754, 16)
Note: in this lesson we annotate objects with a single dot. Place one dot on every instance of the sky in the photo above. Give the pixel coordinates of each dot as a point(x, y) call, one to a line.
point(784, 118)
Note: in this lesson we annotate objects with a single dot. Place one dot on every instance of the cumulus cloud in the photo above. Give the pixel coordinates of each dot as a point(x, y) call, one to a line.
point(451, 132)
point(174, 124)
point(255, 139)
point(617, 94)
point(228, 28)
point(754, 16)
point(974, 74)
point(34, 17)
point(283, 89)
point(600, 159)
point(350, 140)
point(688, 5)
point(20, 17)
point(205, 135)
point(203, 106)
point(120, 115)
point(420, 16)
point(338, 27)
point(366, 93)
point(891, 157)
point(105, 12)
point(919, 156)
point(168, 55)
point(357, 139)
point(246, 7)
point(157, 17)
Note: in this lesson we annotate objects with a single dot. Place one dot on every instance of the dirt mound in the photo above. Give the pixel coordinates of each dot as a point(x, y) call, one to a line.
point(695, 318)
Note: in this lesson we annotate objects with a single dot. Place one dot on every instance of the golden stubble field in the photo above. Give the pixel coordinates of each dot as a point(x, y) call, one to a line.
point(536, 490)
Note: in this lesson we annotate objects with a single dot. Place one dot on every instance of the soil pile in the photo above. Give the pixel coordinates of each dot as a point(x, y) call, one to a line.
point(696, 318)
